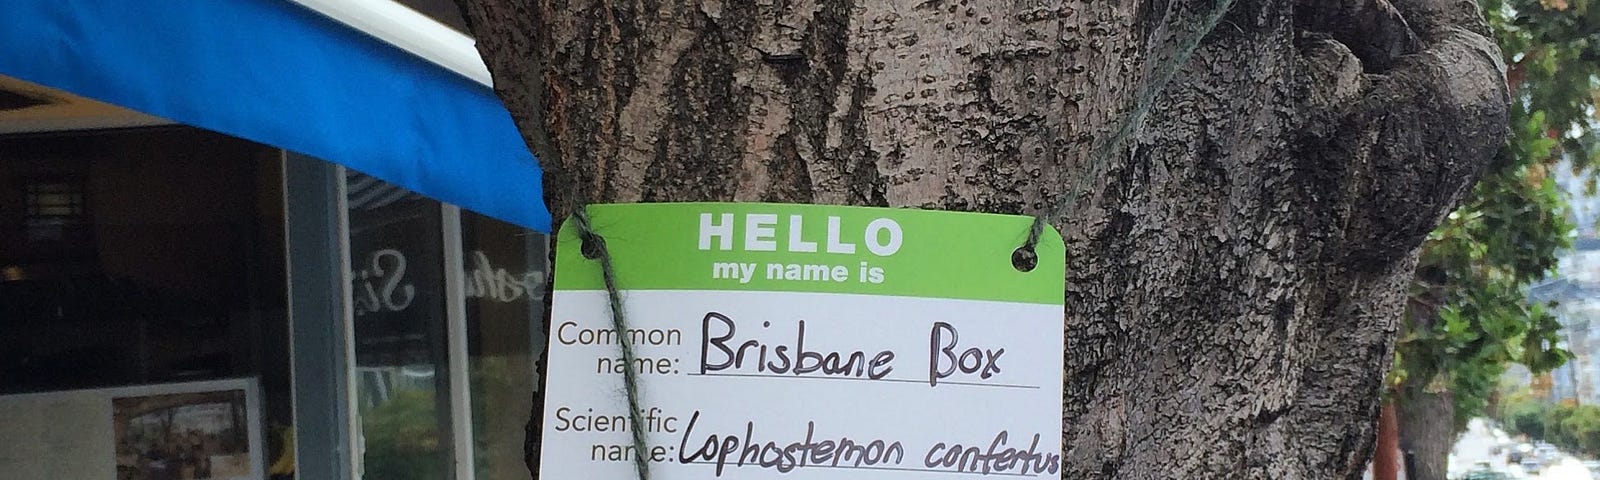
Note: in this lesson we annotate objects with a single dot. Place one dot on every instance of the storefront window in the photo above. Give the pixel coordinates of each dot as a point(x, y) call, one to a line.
point(399, 317)
point(138, 257)
point(504, 283)
point(138, 267)
point(402, 306)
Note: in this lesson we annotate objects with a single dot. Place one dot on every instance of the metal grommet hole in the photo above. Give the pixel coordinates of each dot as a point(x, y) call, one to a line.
point(1024, 259)
point(591, 248)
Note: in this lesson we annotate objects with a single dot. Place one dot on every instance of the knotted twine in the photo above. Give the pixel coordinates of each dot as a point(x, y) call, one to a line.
point(593, 247)
point(1162, 75)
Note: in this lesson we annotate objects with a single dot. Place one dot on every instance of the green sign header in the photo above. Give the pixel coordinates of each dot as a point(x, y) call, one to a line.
point(813, 248)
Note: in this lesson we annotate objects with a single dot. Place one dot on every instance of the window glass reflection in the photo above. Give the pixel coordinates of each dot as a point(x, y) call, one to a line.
point(398, 302)
point(505, 286)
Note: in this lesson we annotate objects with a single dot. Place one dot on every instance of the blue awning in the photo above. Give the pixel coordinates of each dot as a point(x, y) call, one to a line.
point(277, 73)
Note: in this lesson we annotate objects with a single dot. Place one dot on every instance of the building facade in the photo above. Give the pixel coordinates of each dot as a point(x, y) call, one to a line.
point(177, 302)
point(1573, 291)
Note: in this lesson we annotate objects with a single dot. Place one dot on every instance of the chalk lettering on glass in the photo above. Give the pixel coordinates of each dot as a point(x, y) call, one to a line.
point(379, 287)
point(499, 284)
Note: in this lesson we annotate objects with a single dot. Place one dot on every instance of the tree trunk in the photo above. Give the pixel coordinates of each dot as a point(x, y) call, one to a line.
point(1427, 428)
point(1425, 407)
point(1235, 269)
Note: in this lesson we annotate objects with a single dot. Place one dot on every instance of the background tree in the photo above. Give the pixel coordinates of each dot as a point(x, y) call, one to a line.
point(1524, 415)
point(1469, 315)
point(1238, 257)
point(1573, 428)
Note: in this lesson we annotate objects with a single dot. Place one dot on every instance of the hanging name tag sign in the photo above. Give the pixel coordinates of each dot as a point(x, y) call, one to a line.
point(815, 342)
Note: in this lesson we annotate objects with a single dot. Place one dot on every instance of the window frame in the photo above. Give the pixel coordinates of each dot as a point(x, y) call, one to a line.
point(34, 220)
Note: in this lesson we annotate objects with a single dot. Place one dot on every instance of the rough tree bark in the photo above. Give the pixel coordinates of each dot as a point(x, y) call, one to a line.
point(1236, 269)
point(1424, 403)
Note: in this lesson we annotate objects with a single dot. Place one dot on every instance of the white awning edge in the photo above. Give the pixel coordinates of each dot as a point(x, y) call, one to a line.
point(408, 30)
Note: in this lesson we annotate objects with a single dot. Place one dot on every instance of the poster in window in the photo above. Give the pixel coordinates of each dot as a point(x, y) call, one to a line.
point(208, 430)
point(185, 434)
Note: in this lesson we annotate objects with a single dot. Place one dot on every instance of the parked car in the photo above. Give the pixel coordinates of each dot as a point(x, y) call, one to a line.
point(1482, 471)
point(1547, 450)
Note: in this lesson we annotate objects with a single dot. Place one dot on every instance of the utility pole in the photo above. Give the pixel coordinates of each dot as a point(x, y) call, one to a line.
point(1386, 460)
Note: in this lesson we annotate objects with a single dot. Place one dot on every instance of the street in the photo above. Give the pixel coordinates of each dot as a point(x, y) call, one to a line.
point(1477, 446)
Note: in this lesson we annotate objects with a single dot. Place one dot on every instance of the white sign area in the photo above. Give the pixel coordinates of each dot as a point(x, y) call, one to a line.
point(834, 387)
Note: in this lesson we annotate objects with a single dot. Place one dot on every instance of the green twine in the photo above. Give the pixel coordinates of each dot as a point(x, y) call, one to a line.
point(594, 248)
point(1163, 75)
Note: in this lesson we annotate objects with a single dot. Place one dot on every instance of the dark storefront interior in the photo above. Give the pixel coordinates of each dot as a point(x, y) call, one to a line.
point(156, 255)
point(142, 256)
point(349, 327)
point(139, 256)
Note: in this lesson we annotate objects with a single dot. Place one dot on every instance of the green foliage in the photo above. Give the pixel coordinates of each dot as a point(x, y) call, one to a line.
point(403, 439)
point(1582, 428)
point(1525, 415)
point(1475, 316)
point(1553, 56)
point(1557, 431)
point(1572, 428)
